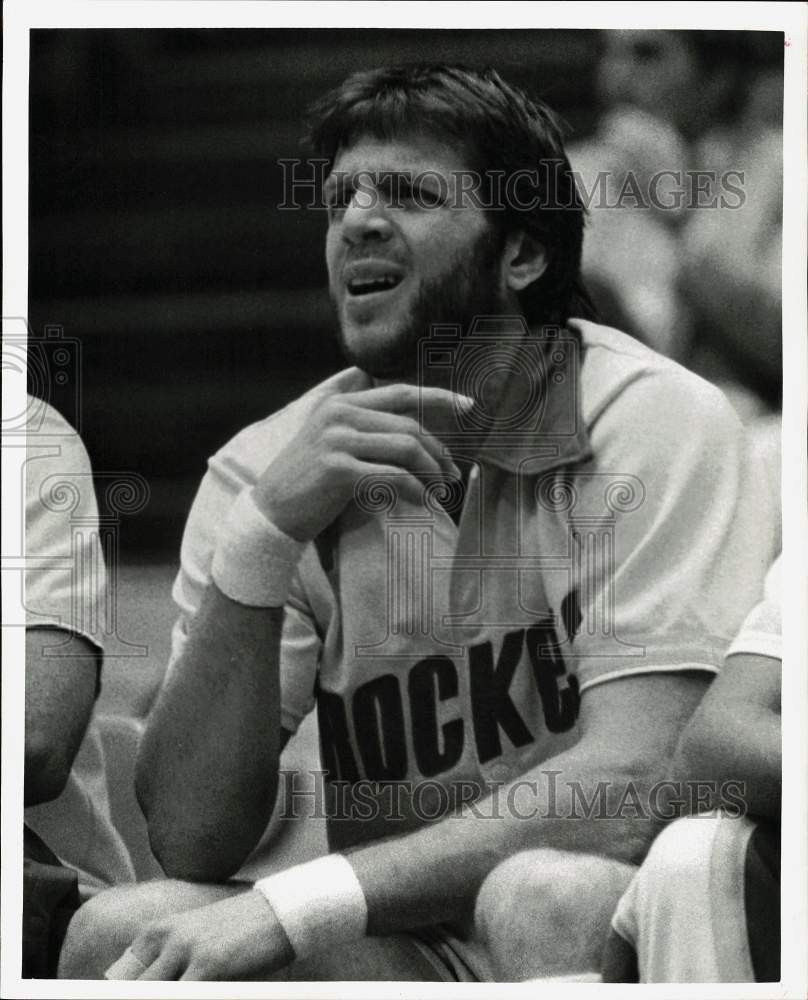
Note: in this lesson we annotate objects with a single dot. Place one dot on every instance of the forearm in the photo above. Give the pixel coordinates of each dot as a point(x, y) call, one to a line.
point(595, 797)
point(207, 769)
point(743, 747)
point(437, 871)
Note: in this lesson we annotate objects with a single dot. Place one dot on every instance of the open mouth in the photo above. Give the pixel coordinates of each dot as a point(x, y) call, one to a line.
point(368, 286)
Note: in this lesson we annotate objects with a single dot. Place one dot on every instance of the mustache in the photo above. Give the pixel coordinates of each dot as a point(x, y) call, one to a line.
point(368, 253)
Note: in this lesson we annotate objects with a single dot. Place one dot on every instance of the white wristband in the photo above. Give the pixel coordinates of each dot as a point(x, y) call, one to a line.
point(254, 560)
point(320, 904)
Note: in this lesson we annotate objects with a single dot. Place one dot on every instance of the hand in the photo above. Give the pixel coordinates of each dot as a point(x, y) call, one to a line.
point(349, 435)
point(236, 938)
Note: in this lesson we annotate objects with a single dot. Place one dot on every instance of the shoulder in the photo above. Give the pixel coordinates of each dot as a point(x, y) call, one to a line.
point(42, 418)
point(47, 427)
point(58, 474)
point(626, 386)
point(246, 455)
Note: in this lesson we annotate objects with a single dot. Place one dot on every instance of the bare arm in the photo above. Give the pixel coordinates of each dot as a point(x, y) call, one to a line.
point(432, 875)
point(59, 696)
point(630, 727)
point(207, 769)
point(734, 734)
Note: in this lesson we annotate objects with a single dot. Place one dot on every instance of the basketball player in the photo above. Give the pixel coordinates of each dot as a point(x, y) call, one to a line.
point(500, 555)
point(69, 833)
point(705, 906)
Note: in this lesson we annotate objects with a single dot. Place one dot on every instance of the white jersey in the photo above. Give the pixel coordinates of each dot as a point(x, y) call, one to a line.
point(762, 630)
point(621, 536)
point(64, 589)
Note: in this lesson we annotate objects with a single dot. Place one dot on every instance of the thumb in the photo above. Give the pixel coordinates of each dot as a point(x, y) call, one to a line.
point(128, 966)
point(348, 380)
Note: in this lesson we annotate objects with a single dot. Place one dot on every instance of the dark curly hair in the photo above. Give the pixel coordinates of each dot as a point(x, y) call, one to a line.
point(502, 132)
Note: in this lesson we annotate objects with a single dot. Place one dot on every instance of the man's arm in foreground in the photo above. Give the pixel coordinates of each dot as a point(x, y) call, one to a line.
point(734, 734)
point(629, 730)
point(222, 697)
point(207, 770)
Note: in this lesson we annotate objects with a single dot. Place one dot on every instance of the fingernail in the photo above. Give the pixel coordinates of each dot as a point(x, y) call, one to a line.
point(467, 401)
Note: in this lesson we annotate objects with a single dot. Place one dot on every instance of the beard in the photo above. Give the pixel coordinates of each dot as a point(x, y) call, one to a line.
point(467, 289)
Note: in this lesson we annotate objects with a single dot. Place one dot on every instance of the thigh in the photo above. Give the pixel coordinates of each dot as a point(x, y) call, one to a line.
point(400, 958)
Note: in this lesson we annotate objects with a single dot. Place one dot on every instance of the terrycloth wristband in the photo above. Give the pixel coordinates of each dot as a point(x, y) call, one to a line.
point(320, 904)
point(254, 560)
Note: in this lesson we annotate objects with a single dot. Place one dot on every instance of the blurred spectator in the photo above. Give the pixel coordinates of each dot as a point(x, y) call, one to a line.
point(699, 284)
point(732, 259)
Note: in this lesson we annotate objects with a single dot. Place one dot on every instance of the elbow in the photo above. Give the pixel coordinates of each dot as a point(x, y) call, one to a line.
point(178, 863)
point(47, 769)
point(170, 842)
point(193, 858)
point(681, 762)
point(696, 773)
point(143, 787)
point(188, 843)
point(692, 757)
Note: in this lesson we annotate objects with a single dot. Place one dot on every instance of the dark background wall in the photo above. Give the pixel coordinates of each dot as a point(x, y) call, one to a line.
point(155, 240)
point(190, 304)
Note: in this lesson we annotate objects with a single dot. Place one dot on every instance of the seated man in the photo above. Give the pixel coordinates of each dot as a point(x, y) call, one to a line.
point(498, 563)
point(705, 905)
point(65, 787)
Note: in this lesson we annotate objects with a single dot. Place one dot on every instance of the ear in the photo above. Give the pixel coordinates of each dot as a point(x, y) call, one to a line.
point(524, 260)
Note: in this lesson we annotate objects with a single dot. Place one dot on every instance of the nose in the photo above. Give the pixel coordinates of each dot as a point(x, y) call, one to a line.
point(366, 218)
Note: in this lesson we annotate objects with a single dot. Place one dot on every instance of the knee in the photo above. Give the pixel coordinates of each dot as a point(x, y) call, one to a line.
point(104, 926)
point(546, 886)
point(546, 912)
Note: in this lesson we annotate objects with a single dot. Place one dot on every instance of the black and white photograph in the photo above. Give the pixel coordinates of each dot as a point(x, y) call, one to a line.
point(404, 477)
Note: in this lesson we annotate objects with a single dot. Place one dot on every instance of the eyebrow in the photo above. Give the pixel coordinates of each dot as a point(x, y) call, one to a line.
point(338, 181)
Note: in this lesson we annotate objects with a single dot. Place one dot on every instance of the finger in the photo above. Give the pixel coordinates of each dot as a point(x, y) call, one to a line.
point(128, 966)
point(402, 398)
point(380, 422)
point(400, 450)
point(196, 973)
point(349, 380)
point(167, 967)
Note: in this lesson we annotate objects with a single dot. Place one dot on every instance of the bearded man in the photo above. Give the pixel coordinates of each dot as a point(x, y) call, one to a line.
point(501, 556)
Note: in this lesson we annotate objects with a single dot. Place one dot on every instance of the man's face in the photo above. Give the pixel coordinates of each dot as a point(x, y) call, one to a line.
point(403, 250)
